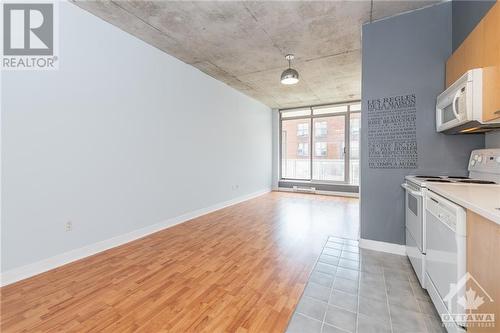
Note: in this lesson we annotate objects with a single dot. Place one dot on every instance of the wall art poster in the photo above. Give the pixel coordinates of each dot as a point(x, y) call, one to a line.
point(392, 132)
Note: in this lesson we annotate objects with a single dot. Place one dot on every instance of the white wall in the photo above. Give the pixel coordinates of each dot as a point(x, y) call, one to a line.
point(121, 137)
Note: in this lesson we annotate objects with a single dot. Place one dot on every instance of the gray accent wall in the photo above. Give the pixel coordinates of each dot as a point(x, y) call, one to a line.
point(493, 139)
point(466, 15)
point(402, 55)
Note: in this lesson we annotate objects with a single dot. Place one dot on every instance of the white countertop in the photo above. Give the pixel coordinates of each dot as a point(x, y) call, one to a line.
point(481, 199)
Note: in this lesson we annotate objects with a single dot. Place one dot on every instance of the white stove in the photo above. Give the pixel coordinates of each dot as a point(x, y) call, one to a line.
point(422, 180)
point(484, 169)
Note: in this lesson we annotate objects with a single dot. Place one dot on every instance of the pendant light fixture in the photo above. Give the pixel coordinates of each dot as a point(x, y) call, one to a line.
point(289, 75)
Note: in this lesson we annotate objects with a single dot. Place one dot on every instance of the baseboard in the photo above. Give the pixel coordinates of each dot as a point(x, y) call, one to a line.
point(332, 193)
point(382, 246)
point(47, 264)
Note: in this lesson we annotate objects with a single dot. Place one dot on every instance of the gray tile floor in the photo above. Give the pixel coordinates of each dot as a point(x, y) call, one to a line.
point(358, 290)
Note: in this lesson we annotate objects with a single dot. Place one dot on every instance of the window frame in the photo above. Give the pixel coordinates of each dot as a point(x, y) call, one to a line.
point(311, 117)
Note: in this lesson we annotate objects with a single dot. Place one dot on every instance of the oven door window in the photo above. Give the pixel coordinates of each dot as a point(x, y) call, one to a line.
point(413, 204)
point(414, 218)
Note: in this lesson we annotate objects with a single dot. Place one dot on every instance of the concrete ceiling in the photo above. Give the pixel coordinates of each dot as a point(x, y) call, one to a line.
point(243, 43)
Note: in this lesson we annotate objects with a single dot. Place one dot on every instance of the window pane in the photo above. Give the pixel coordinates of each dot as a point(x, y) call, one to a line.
point(320, 129)
point(355, 126)
point(328, 158)
point(356, 107)
point(303, 129)
point(320, 149)
point(329, 109)
point(295, 150)
point(295, 113)
point(303, 149)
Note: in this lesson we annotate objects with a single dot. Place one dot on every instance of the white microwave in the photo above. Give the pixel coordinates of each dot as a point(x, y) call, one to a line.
point(459, 109)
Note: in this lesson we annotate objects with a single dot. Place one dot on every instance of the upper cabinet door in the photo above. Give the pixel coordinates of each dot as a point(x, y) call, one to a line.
point(467, 56)
point(481, 49)
point(491, 64)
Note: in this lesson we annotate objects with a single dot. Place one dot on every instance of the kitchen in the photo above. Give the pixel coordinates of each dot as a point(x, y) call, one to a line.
point(431, 158)
point(452, 220)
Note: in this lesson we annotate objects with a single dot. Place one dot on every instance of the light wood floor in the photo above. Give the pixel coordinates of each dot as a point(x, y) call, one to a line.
point(240, 269)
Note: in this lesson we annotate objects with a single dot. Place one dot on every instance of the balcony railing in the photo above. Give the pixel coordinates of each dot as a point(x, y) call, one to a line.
point(323, 170)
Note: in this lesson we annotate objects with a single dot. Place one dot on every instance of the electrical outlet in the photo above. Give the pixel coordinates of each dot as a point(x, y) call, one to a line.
point(69, 226)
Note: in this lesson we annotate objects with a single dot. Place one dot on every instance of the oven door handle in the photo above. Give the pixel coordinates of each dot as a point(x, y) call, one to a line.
point(412, 192)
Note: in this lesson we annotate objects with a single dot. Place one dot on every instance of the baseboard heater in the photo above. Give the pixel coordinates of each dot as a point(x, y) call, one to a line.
point(304, 189)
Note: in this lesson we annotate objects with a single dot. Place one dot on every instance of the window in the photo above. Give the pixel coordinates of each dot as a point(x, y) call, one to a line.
point(296, 113)
point(295, 162)
point(330, 164)
point(355, 125)
point(320, 149)
point(355, 107)
point(320, 129)
point(329, 109)
point(332, 132)
point(303, 149)
point(303, 129)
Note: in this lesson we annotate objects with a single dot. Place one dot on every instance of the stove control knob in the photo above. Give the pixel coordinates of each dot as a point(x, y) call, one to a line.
point(476, 157)
point(480, 158)
point(473, 162)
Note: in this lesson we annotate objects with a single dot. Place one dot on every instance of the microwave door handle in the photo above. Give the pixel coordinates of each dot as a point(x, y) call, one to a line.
point(454, 105)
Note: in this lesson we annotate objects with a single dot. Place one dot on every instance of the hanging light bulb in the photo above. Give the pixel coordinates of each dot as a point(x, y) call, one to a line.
point(289, 75)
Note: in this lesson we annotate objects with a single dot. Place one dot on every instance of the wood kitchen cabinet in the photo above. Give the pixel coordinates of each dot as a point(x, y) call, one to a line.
point(491, 64)
point(467, 56)
point(483, 263)
point(481, 49)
